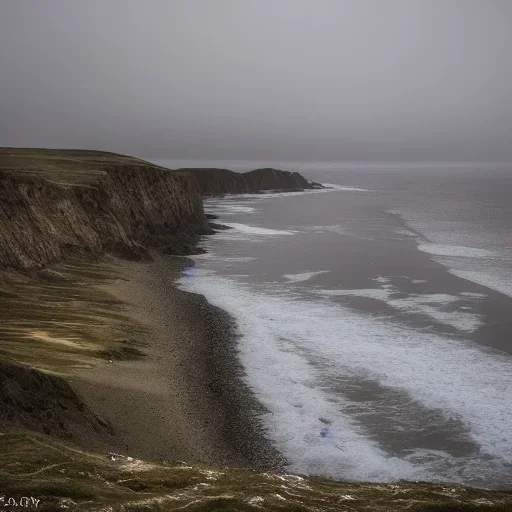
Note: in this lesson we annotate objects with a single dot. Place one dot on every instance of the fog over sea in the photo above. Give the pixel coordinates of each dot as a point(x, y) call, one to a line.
point(375, 319)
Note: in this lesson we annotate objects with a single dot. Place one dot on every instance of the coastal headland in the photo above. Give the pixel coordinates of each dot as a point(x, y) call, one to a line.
point(105, 363)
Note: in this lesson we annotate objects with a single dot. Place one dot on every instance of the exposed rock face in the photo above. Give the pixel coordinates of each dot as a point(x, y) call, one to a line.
point(128, 208)
point(59, 202)
point(224, 181)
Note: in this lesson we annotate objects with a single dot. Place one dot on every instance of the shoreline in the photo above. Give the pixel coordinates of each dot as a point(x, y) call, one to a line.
point(186, 399)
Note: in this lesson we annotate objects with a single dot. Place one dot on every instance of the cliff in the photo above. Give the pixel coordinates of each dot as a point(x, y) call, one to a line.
point(54, 203)
point(224, 181)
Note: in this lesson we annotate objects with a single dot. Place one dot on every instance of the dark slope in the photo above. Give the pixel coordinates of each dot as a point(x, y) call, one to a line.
point(224, 181)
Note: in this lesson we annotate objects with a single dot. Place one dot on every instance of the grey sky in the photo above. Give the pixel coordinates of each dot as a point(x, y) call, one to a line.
point(317, 80)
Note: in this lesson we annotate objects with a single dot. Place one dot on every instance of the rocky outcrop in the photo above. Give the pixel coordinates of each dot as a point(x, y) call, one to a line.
point(127, 208)
point(224, 181)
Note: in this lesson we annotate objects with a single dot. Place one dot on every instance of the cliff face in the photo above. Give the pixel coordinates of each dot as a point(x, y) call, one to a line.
point(126, 207)
point(59, 202)
point(224, 181)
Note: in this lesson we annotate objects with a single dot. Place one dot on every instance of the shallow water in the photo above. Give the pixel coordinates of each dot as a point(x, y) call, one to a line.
point(375, 320)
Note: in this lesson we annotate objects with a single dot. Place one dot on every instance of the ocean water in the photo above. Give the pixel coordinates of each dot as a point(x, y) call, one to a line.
point(375, 319)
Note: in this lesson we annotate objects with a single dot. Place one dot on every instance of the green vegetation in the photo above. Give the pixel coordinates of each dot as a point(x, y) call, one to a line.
point(60, 320)
point(63, 166)
point(62, 477)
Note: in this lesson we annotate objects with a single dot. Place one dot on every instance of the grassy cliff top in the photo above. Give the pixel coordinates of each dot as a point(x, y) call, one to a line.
point(71, 167)
point(64, 477)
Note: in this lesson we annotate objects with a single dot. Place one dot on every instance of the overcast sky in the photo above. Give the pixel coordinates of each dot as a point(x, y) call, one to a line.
point(315, 80)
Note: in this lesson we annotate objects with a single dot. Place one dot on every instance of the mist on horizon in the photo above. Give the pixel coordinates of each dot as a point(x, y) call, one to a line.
point(289, 81)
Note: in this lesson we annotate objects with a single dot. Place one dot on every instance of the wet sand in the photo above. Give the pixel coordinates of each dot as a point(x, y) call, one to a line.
point(186, 399)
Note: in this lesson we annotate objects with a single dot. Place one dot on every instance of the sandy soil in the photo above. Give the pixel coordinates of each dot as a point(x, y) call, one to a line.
point(186, 399)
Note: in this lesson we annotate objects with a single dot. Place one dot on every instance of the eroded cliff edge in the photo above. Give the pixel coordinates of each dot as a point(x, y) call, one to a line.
point(57, 203)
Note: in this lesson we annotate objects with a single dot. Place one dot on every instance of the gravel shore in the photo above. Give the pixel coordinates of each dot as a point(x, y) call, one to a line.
point(186, 400)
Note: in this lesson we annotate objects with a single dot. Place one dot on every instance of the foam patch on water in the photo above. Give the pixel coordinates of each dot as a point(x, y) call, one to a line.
point(239, 259)
point(494, 282)
point(406, 232)
point(220, 257)
point(454, 250)
point(348, 188)
point(426, 304)
point(207, 255)
point(337, 228)
point(249, 233)
point(304, 276)
point(255, 230)
point(370, 293)
point(282, 337)
point(228, 208)
point(430, 305)
point(473, 295)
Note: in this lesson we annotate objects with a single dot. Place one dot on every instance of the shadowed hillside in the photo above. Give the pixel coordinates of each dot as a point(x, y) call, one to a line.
point(224, 181)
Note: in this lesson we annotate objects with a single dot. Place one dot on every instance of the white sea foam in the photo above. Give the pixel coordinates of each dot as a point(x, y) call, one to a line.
point(330, 187)
point(304, 276)
point(426, 304)
point(489, 280)
point(406, 232)
point(454, 250)
point(249, 233)
point(473, 295)
point(238, 259)
point(382, 279)
point(348, 188)
point(282, 339)
point(430, 305)
point(215, 256)
point(228, 208)
point(255, 230)
point(207, 256)
point(370, 293)
point(337, 228)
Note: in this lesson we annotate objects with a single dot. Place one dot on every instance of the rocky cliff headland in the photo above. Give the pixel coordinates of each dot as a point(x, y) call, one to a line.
point(223, 181)
point(108, 355)
point(59, 206)
point(56, 203)
point(59, 203)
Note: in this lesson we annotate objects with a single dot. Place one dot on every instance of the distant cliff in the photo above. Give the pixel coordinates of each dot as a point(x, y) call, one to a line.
point(224, 181)
point(54, 203)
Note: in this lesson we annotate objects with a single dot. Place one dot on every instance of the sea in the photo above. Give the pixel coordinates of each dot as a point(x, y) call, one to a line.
point(375, 318)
